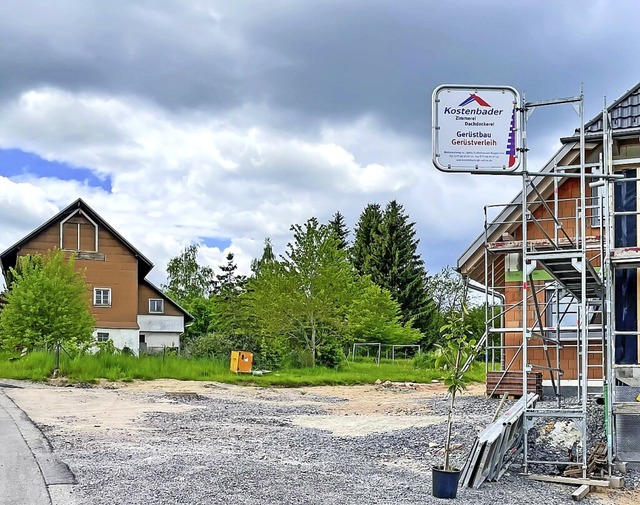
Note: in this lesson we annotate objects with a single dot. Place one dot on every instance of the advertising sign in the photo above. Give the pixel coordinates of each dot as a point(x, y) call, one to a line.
point(476, 129)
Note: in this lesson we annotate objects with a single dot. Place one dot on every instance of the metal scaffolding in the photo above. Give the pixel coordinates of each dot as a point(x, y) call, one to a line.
point(561, 274)
point(550, 287)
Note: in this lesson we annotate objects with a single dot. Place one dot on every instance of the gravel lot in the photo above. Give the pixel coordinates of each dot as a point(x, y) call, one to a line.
point(170, 442)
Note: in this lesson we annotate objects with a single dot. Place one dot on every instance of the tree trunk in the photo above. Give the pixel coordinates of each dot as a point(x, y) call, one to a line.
point(313, 342)
point(447, 444)
point(452, 400)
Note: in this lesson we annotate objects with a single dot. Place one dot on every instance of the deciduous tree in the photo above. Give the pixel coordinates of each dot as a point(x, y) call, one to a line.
point(305, 296)
point(47, 302)
point(191, 284)
point(186, 279)
point(374, 316)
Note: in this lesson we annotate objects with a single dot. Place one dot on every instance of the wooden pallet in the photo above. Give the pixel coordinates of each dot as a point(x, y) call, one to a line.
point(510, 383)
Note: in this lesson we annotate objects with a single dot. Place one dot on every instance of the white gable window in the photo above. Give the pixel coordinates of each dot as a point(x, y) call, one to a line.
point(156, 306)
point(78, 232)
point(102, 297)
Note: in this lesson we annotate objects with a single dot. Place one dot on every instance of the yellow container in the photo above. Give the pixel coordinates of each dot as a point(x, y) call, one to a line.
point(241, 361)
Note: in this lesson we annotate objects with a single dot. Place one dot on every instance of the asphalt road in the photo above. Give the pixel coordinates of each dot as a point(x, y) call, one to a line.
point(29, 471)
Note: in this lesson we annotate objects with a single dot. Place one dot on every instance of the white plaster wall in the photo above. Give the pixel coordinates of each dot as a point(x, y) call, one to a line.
point(160, 323)
point(121, 337)
point(162, 339)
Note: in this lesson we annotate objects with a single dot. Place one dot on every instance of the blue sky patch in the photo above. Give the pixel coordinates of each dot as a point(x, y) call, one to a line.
point(15, 162)
point(219, 242)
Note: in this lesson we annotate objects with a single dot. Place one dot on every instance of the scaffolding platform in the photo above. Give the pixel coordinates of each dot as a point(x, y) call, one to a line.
point(566, 267)
point(626, 257)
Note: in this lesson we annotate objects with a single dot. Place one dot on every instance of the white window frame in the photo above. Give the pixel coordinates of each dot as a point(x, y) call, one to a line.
point(95, 230)
point(161, 311)
point(99, 297)
point(102, 336)
point(567, 315)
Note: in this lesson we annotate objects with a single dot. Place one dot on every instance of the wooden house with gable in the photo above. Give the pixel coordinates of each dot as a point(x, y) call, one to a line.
point(129, 310)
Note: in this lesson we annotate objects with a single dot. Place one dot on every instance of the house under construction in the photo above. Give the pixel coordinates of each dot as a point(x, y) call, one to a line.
point(559, 268)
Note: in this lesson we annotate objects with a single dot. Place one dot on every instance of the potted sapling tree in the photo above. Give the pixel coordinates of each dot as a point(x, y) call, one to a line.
point(457, 348)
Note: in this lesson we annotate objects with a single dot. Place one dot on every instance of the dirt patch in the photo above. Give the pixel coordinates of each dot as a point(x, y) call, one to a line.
point(157, 441)
point(93, 409)
point(117, 406)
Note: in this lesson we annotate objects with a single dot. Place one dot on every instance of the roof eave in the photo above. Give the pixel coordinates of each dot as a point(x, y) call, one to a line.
point(81, 204)
point(156, 288)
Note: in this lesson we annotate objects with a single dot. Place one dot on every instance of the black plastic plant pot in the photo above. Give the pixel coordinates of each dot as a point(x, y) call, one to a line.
point(445, 482)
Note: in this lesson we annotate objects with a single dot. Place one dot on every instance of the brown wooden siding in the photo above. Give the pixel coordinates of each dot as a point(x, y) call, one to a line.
point(145, 292)
point(118, 271)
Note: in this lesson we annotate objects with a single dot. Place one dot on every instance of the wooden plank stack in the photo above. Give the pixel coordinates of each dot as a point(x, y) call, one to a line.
point(596, 463)
point(510, 383)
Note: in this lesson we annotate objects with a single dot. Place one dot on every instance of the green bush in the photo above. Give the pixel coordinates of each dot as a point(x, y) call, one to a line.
point(273, 353)
point(211, 345)
point(300, 358)
point(219, 345)
point(425, 360)
point(330, 355)
point(106, 348)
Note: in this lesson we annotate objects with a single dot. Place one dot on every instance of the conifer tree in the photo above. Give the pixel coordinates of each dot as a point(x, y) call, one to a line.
point(399, 268)
point(366, 238)
point(230, 287)
point(386, 248)
point(268, 256)
point(339, 227)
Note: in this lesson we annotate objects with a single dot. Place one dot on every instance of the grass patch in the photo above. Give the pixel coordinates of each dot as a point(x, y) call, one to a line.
point(38, 366)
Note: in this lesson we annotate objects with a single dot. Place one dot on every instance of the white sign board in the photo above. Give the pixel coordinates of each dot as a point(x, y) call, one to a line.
point(476, 129)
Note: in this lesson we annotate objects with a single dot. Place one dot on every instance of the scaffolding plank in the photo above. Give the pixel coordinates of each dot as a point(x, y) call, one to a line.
point(581, 492)
point(626, 408)
point(569, 480)
point(508, 246)
point(626, 257)
point(487, 458)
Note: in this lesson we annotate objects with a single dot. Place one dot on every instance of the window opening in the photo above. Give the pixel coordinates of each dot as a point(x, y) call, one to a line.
point(156, 305)
point(102, 296)
point(102, 337)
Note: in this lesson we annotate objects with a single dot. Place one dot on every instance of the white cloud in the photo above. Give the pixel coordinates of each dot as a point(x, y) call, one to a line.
point(214, 120)
point(177, 178)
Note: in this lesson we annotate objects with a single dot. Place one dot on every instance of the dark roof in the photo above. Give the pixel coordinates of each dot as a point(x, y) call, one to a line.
point(625, 113)
point(8, 258)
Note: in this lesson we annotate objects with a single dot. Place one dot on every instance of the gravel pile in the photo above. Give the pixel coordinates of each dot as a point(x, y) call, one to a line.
point(249, 451)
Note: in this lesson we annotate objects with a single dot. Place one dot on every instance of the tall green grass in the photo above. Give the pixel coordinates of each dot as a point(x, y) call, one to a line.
point(39, 366)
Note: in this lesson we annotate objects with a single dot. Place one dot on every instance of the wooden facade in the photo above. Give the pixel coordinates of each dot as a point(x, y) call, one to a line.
point(110, 264)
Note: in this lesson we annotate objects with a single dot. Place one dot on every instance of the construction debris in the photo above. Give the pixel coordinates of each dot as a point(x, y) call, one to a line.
point(596, 463)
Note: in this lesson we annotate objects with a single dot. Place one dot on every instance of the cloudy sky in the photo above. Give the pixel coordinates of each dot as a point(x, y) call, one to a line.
point(224, 122)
